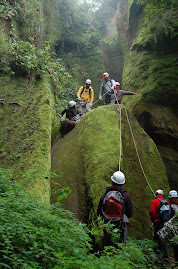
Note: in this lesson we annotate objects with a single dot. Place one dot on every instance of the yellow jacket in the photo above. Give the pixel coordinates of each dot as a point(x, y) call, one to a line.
point(87, 94)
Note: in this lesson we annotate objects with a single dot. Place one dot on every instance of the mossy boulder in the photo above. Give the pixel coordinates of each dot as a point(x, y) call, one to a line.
point(87, 157)
point(28, 124)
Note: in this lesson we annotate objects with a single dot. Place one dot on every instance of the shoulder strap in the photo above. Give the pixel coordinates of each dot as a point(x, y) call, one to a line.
point(83, 91)
point(121, 191)
point(111, 82)
point(162, 201)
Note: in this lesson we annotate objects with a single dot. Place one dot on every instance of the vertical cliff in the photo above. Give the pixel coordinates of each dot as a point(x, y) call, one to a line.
point(142, 54)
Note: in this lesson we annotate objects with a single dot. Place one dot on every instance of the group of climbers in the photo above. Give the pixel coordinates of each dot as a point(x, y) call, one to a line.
point(115, 205)
point(162, 213)
point(110, 88)
point(85, 95)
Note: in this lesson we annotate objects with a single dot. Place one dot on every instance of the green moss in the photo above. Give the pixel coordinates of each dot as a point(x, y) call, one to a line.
point(87, 157)
point(26, 121)
point(153, 77)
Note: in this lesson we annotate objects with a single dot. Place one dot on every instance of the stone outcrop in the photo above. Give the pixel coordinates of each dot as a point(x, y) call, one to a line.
point(28, 124)
point(87, 157)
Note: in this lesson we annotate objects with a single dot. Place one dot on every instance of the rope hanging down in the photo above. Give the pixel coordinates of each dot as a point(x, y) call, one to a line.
point(137, 151)
point(120, 132)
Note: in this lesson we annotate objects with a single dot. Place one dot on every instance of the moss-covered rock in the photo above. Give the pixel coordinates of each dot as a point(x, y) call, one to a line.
point(28, 122)
point(87, 157)
point(155, 106)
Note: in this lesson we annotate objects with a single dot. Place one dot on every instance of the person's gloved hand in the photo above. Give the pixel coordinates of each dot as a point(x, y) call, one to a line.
point(59, 115)
point(100, 98)
point(79, 98)
point(90, 104)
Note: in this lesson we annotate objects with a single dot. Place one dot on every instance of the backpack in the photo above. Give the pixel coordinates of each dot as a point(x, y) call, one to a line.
point(83, 91)
point(113, 208)
point(108, 80)
point(164, 210)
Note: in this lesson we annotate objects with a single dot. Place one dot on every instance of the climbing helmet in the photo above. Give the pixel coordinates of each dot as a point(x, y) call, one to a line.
point(88, 81)
point(105, 75)
point(159, 192)
point(173, 194)
point(118, 177)
point(72, 103)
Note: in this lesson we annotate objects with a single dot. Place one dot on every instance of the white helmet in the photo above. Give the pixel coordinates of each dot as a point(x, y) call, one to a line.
point(118, 177)
point(105, 75)
point(117, 83)
point(72, 103)
point(173, 194)
point(88, 81)
point(159, 192)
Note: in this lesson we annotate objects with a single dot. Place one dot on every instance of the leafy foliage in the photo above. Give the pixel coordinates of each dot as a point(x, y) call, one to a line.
point(24, 59)
point(35, 236)
point(160, 19)
point(31, 234)
point(7, 11)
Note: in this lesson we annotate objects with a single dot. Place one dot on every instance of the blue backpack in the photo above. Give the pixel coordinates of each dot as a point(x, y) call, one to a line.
point(164, 210)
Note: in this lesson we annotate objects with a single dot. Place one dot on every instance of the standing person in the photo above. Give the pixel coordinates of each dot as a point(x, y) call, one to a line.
point(119, 93)
point(69, 123)
point(108, 87)
point(86, 94)
point(118, 208)
point(173, 197)
point(157, 220)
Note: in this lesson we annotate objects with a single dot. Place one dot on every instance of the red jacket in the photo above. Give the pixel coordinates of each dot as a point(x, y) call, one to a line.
point(154, 208)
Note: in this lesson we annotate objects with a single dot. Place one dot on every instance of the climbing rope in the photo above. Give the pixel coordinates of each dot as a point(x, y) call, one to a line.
point(137, 151)
point(120, 132)
point(132, 138)
point(133, 141)
point(99, 99)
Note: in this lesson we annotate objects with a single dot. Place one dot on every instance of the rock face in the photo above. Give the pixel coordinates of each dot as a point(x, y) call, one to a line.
point(155, 105)
point(87, 157)
point(148, 67)
point(28, 123)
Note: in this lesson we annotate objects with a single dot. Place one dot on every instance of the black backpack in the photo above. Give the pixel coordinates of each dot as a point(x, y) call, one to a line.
point(164, 210)
point(113, 208)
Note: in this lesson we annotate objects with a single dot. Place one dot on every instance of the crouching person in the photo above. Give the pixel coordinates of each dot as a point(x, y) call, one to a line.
point(115, 206)
point(69, 123)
